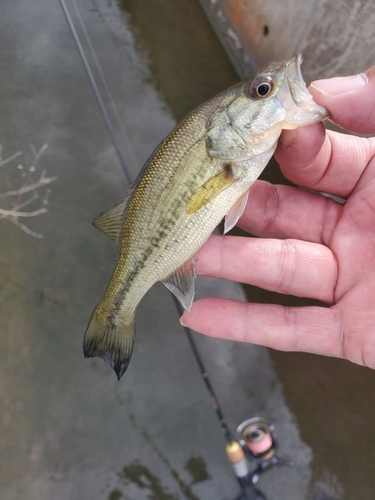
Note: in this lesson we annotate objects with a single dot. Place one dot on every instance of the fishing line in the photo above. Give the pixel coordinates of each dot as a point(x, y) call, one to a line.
point(105, 84)
point(227, 434)
point(96, 90)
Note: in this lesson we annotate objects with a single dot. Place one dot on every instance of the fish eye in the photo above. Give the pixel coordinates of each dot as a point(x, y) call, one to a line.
point(260, 87)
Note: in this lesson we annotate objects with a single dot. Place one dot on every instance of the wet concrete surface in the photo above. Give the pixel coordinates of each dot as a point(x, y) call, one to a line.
point(69, 430)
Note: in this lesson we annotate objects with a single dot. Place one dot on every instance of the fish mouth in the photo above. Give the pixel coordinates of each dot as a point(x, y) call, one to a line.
point(295, 98)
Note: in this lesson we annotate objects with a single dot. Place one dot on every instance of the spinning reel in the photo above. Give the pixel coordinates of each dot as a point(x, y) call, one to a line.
point(257, 442)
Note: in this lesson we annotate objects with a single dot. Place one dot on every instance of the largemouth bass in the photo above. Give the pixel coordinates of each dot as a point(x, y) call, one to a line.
point(199, 174)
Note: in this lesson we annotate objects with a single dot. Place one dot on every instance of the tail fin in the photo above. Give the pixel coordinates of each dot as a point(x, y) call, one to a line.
point(111, 339)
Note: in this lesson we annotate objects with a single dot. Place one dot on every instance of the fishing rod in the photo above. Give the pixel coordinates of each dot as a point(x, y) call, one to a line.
point(233, 449)
point(258, 443)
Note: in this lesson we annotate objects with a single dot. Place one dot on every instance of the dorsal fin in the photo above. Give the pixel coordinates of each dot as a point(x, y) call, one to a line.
point(110, 221)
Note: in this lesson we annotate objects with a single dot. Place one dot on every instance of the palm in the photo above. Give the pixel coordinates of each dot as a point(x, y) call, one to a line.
point(308, 245)
point(352, 242)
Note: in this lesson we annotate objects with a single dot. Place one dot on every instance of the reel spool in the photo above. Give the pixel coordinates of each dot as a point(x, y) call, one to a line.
point(258, 439)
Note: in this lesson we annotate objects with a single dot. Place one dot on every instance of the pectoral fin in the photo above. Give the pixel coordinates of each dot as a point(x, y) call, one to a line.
point(235, 212)
point(210, 189)
point(110, 221)
point(182, 283)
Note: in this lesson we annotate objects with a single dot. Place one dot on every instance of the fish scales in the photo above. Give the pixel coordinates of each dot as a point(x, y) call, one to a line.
point(158, 210)
point(199, 174)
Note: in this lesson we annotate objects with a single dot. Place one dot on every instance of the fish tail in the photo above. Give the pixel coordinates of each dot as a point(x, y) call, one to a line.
point(110, 338)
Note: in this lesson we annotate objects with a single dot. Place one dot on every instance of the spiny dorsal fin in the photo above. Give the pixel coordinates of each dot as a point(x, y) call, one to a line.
point(210, 189)
point(235, 212)
point(181, 283)
point(110, 221)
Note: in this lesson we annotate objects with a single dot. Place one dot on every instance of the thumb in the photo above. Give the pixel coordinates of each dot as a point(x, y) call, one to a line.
point(349, 99)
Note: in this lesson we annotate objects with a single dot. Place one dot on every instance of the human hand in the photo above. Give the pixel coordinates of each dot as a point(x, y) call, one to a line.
point(308, 245)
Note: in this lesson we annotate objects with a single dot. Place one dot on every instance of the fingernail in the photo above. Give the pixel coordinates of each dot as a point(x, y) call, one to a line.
point(182, 321)
point(340, 84)
point(288, 138)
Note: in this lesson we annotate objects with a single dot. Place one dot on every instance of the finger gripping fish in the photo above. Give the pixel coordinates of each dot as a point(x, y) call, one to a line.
point(199, 174)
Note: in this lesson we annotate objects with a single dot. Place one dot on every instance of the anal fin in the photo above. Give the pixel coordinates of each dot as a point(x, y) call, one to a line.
point(182, 283)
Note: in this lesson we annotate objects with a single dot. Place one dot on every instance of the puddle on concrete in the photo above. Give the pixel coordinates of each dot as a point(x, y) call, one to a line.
point(115, 495)
point(197, 468)
point(142, 477)
point(180, 71)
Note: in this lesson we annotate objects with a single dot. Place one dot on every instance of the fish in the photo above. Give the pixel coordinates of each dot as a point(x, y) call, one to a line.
point(198, 175)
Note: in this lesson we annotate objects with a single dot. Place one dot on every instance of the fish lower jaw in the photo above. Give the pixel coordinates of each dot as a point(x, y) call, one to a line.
point(301, 119)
